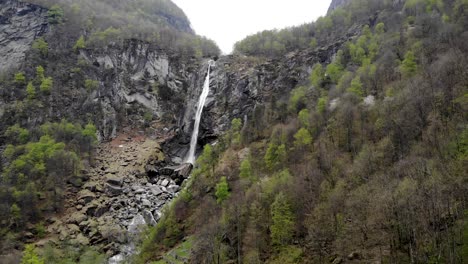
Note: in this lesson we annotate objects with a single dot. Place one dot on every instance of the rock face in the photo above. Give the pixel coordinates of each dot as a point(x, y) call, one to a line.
point(20, 24)
point(240, 88)
point(337, 3)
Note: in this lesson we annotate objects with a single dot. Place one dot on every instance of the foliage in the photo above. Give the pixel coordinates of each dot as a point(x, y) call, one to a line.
point(55, 14)
point(30, 91)
point(302, 138)
point(20, 78)
point(317, 75)
point(40, 73)
point(222, 190)
point(356, 87)
point(246, 170)
point(91, 85)
point(80, 44)
point(304, 117)
point(41, 46)
point(30, 256)
point(297, 100)
point(46, 85)
point(408, 65)
point(282, 228)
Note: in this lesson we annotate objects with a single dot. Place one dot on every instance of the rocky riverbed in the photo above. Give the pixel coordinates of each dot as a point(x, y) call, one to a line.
point(126, 189)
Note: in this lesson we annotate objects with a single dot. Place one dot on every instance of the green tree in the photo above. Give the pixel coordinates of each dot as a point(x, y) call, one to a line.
point(41, 46)
point(321, 104)
point(20, 79)
point(40, 73)
point(297, 99)
point(356, 87)
point(409, 66)
point(55, 14)
point(236, 126)
point(304, 117)
point(222, 190)
point(206, 162)
point(31, 91)
point(316, 77)
point(80, 44)
point(30, 256)
point(282, 227)
point(302, 138)
point(246, 170)
point(335, 69)
point(15, 214)
point(91, 85)
point(46, 85)
point(275, 155)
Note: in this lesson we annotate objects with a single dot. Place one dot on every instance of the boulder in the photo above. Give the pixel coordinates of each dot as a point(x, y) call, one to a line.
point(149, 218)
point(76, 218)
point(173, 188)
point(113, 190)
point(86, 196)
point(354, 255)
point(165, 182)
point(114, 180)
point(155, 190)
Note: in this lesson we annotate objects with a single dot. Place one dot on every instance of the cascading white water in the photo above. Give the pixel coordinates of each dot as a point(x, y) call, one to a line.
point(201, 103)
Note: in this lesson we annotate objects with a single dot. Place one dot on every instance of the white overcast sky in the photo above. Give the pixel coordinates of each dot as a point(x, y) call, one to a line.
point(228, 21)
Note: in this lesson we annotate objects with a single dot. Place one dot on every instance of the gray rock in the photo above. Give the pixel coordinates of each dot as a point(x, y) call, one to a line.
point(20, 24)
point(86, 196)
point(173, 188)
point(165, 182)
point(149, 218)
point(145, 203)
point(113, 190)
point(114, 180)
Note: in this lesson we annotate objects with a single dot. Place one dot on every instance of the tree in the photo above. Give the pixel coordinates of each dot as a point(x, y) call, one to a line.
point(321, 104)
point(302, 138)
point(31, 91)
point(356, 87)
point(46, 85)
point(246, 169)
point(297, 99)
point(206, 162)
point(41, 46)
point(282, 227)
point(40, 73)
point(222, 190)
point(275, 155)
point(55, 14)
point(20, 79)
point(30, 256)
point(409, 66)
point(316, 77)
point(304, 116)
point(236, 125)
point(80, 44)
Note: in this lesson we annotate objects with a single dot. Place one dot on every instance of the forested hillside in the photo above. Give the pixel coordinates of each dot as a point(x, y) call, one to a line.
point(73, 75)
point(365, 161)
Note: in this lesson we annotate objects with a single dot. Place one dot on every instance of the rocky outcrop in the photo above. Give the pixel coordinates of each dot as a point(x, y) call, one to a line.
point(20, 24)
point(337, 3)
point(119, 199)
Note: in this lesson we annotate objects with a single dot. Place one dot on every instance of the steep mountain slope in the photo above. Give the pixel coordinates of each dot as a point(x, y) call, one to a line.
point(74, 75)
point(350, 150)
point(339, 141)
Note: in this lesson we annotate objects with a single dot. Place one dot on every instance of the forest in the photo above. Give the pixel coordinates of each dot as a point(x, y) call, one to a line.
point(364, 161)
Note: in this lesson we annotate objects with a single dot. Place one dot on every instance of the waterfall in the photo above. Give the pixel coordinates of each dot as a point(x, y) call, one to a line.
point(201, 103)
